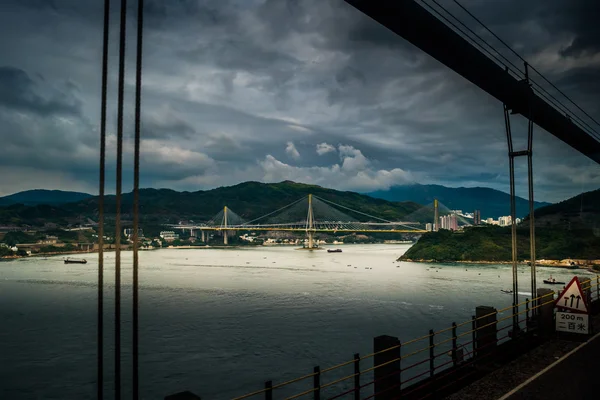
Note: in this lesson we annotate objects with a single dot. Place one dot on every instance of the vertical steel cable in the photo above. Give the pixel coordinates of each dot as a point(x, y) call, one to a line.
point(136, 196)
point(511, 161)
point(100, 338)
point(118, 200)
point(530, 186)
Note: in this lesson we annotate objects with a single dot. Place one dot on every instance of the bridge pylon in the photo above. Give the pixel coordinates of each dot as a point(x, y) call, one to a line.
point(310, 224)
point(436, 215)
point(225, 239)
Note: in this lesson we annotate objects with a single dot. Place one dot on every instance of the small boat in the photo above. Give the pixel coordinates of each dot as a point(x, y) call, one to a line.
point(506, 291)
point(75, 261)
point(552, 281)
point(334, 250)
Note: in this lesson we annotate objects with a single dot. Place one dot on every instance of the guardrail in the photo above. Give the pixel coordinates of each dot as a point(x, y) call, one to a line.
point(436, 362)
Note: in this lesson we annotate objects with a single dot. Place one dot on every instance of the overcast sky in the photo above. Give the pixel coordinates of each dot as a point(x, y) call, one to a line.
point(268, 90)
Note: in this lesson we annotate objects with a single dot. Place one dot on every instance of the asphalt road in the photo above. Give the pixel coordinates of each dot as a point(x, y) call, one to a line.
point(576, 377)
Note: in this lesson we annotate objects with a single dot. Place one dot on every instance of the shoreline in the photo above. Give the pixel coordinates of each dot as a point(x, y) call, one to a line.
point(539, 263)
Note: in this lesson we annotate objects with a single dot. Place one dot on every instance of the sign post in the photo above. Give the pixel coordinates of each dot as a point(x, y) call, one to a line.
point(572, 312)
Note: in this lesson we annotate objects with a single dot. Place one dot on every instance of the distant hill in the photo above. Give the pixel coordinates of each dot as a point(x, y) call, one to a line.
point(492, 243)
point(492, 203)
point(42, 196)
point(581, 211)
point(249, 200)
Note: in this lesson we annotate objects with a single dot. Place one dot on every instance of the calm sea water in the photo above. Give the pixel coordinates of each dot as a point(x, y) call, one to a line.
point(221, 322)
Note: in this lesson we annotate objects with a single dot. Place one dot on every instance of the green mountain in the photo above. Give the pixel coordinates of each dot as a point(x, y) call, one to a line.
point(42, 196)
point(568, 229)
point(581, 211)
point(36, 215)
point(492, 243)
point(249, 200)
point(492, 203)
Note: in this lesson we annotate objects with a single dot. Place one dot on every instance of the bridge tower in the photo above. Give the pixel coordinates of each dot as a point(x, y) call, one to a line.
point(310, 222)
point(436, 216)
point(225, 225)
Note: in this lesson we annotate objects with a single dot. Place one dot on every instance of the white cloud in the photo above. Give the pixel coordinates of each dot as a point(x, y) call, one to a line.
point(324, 148)
point(354, 172)
point(551, 60)
point(292, 151)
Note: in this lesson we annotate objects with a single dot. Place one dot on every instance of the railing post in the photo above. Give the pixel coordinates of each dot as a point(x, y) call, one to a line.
point(269, 390)
point(474, 339)
point(586, 287)
point(357, 376)
point(454, 357)
point(387, 377)
point(527, 314)
point(486, 330)
point(317, 383)
point(431, 353)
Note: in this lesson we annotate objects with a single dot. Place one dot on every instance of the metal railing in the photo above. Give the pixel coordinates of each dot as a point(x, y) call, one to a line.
point(450, 353)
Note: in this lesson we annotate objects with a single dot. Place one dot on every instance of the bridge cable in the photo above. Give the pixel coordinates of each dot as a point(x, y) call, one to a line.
point(100, 316)
point(276, 211)
point(119, 184)
point(136, 198)
point(522, 59)
point(518, 72)
point(359, 212)
point(539, 88)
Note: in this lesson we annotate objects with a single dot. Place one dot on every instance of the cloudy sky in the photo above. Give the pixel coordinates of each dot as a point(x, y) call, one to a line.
point(268, 90)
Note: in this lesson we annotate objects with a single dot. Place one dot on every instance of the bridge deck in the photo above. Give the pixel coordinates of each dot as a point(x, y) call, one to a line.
point(283, 229)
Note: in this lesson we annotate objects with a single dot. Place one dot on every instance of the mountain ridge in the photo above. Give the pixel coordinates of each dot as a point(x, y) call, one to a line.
point(43, 197)
point(248, 199)
point(491, 202)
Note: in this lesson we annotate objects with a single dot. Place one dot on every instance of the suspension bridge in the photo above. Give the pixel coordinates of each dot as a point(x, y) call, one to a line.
point(312, 214)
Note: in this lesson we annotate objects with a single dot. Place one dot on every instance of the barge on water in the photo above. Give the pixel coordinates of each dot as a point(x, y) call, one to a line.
point(75, 261)
point(334, 250)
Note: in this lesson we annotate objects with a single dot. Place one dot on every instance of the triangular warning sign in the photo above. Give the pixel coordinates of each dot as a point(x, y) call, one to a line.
point(572, 298)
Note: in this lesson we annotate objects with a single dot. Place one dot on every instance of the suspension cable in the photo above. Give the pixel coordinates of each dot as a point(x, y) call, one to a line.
point(518, 71)
point(358, 212)
point(119, 184)
point(522, 59)
point(540, 88)
point(100, 316)
point(276, 211)
point(136, 198)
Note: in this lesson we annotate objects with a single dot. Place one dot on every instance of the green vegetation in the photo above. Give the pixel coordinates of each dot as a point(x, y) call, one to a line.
point(38, 215)
point(581, 211)
point(494, 244)
point(249, 200)
point(56, 249)
point(492, 203)
point(159, 206)
point(6, 252)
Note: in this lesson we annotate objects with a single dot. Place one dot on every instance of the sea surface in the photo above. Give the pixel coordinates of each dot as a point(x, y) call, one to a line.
point(221, 322)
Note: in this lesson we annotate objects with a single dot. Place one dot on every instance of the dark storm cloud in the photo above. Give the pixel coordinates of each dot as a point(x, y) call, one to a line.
point(248, 89)
point(20, 92)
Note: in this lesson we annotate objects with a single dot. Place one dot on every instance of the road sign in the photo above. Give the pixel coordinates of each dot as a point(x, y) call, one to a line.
point(572, 322)
point(572, 298)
